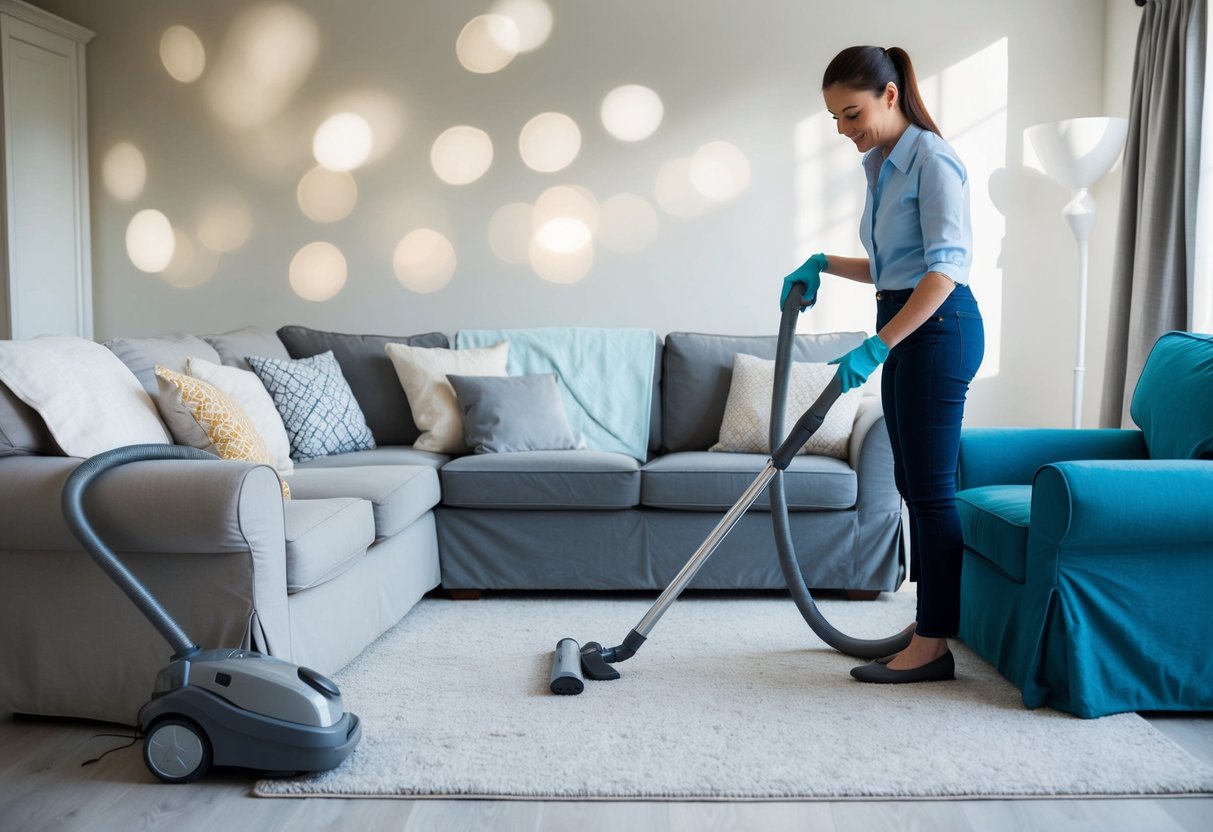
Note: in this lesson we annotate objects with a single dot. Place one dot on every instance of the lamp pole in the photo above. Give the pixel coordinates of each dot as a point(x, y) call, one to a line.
point(1080, 215)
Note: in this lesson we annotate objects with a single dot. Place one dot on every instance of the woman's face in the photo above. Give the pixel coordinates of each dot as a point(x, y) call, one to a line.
point(866, 119)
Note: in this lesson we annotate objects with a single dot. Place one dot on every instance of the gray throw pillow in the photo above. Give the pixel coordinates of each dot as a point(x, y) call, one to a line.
point(318, 410)
point(502, 414)
point(22, 431)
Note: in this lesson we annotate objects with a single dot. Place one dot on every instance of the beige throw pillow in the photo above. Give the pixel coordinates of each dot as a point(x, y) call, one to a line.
point(423, 371)
point(246, 388)
point(746, 425)
point(87, 397)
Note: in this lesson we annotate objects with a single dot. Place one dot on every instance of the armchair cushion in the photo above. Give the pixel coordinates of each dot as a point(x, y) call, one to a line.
point(1173, 402)
point(995, 520)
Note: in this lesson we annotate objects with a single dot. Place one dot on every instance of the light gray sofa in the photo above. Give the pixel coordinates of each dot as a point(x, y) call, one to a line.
point(318, 577)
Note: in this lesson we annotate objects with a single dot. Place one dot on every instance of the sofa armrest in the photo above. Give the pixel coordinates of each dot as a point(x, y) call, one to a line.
point(162, 506)
point(871, 456)
point(1098, 509)
point(1011, 456)
point(208, 540)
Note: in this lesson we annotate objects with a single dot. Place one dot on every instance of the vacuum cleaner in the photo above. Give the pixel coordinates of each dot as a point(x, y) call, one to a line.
point(227, 706)
point(573, 663)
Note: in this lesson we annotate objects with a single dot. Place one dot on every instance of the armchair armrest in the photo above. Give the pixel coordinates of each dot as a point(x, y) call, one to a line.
point(1104, 507)
point(1011, 456)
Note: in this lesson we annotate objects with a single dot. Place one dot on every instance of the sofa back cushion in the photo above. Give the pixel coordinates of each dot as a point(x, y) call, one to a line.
point(142, 355)
point(370, 374)
point(699, 370)
point(22, 430)
point(1173, 402)
point(236, 346)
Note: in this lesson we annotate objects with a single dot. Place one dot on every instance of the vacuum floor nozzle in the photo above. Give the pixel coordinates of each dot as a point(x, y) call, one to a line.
point(566, 669)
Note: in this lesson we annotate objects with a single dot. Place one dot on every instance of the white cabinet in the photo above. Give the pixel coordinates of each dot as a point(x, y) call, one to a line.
point(47, 275)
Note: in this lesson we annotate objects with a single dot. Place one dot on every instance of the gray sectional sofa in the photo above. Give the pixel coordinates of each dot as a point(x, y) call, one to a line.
point(316, 578)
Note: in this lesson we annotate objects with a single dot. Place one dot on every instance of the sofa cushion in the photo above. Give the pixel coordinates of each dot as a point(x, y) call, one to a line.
point(325, 538)
point(398, 494)
point(1173, 401)
point(393, 455)
point(22, 430)
point(699, 369)
point(142, 355)
point(370, 374)
point(994, 522)
point(542, 480)
point(235, 346)
point(703, 481)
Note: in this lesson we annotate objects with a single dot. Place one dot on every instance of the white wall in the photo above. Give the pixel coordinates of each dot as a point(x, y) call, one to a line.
point(743, 73)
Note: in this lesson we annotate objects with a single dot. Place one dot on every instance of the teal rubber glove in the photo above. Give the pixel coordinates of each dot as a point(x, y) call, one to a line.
point(855, 367)
point(809, 274)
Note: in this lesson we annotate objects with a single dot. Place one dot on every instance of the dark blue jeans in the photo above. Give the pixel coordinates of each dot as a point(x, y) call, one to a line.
point(925, 380)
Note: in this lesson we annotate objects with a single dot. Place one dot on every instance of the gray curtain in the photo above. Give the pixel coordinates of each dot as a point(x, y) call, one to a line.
point(1155, 243)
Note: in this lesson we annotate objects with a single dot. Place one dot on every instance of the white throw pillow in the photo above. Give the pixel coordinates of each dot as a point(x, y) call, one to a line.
point(746, 425)
point(89, 399)
point(246, 388)
point(423, 371)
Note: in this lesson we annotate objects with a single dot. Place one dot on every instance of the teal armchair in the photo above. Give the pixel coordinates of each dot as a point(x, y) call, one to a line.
point(1088, 563)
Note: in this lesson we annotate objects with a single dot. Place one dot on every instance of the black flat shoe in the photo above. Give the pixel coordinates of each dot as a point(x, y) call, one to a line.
point(887, 659)
point(939, 670)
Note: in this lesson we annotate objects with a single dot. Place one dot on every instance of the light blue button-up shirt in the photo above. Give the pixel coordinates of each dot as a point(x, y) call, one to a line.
point(916, 216)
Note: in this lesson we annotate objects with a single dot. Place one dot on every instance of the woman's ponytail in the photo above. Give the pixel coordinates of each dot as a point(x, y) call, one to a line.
point(872, 68)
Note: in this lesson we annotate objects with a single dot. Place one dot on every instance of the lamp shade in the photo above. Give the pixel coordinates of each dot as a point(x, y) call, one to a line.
point(1078, 151)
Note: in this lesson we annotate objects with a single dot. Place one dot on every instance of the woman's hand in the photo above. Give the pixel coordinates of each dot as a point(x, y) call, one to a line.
point(809, 274)
point(855, 367)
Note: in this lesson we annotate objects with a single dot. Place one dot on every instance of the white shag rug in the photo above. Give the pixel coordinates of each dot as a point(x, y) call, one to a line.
point(731, 698)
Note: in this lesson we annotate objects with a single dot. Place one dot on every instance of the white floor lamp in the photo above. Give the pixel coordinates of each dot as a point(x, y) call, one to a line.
point(1077, 152)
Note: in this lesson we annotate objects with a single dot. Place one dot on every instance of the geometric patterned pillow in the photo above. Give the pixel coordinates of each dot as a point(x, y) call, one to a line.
point(221, 418)
point(318, 409)
point(746, 426)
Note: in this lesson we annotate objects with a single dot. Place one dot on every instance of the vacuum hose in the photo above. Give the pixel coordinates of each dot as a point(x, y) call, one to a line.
point(857, 647)
point(77, 521)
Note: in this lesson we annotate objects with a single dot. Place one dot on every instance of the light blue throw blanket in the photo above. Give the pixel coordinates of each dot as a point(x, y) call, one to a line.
point(606, 377)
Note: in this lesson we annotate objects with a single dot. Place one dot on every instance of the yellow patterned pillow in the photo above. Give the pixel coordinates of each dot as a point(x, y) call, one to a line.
point(225, 423)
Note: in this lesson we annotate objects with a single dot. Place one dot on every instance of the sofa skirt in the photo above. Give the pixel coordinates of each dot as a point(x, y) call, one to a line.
point(643, 549)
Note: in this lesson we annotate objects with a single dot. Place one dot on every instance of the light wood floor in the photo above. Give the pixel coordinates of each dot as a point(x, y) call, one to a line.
point(44, 787)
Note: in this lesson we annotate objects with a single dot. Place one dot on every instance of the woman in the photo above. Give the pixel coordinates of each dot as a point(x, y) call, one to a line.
point(917, 235)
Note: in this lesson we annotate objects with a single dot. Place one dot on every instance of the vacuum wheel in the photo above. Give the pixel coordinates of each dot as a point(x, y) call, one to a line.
point(177, 750)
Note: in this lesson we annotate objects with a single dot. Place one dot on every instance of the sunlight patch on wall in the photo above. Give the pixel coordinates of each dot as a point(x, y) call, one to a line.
point(510, 232)
point(719, 171)
point(549, 142)
point(969, 102)
point(182, 54)
point(676, 192)
point(561, 267)
point(343, 141)
point(268, 52)
point(488, 43)
point(318, 271)
point(326, 195)
point(383, 113)
point(124, 172)
point(632, 113)
point(192, 264)
point(461, 155)
point(150, 241)
point(627, 223)
point(424, 261)
point(533, 19)
point(224, 219)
